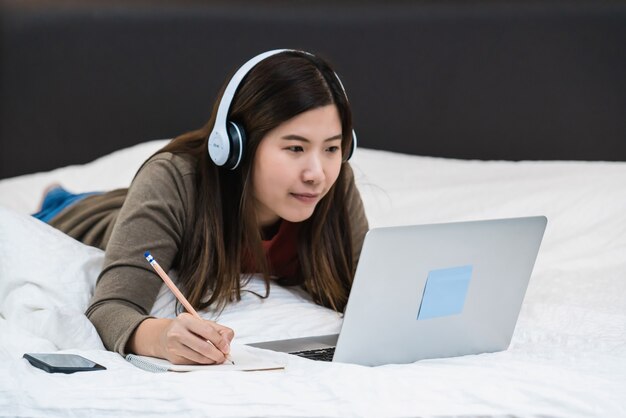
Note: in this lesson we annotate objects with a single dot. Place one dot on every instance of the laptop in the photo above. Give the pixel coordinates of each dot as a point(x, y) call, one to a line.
point(431, 291)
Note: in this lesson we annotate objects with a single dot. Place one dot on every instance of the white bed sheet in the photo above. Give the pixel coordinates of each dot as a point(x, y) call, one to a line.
point(567, 357)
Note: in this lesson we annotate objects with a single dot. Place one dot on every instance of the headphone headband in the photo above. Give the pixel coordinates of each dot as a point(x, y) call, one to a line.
point(227, 139)
point(219, 148)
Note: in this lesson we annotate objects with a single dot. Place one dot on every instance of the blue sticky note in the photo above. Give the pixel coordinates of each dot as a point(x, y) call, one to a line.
point(445, 291)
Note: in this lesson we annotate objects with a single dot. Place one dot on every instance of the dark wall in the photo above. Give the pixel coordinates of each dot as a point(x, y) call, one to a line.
point(486, 80)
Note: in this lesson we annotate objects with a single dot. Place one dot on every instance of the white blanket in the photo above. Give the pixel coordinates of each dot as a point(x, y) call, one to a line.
point(567, 357)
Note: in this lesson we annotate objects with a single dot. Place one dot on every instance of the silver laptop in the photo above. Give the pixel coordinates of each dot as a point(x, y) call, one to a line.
point(431, 291)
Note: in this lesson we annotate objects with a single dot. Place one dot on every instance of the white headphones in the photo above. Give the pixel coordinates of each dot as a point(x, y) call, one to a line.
point(228, 138)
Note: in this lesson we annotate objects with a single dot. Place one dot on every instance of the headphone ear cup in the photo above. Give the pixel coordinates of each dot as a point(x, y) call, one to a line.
point(237, 139)
point(352, 147)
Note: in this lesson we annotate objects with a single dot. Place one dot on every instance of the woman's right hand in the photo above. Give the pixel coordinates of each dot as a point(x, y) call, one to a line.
point(183, 340)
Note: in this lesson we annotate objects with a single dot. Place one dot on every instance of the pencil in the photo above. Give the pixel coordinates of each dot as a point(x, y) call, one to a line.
point(181, 298)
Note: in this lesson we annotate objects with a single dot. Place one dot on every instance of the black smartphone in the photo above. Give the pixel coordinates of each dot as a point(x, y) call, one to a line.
point(62, 363)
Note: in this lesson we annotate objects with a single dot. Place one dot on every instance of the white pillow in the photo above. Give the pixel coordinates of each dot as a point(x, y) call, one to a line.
point(46, 282)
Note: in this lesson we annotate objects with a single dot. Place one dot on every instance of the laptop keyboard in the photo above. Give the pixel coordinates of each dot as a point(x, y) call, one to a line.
point(320, 354)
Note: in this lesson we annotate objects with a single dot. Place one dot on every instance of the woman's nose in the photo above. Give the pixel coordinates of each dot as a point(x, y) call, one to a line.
point(313, 171)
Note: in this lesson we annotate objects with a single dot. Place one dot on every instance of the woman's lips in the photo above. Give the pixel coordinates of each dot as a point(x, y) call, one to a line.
point(306, 197)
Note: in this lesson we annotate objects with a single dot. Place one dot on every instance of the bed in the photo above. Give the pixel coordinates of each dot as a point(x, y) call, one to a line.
point(567, 357)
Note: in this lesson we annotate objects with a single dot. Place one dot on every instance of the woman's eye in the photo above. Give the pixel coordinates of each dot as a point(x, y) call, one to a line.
point(333, 149)
point(295, 148)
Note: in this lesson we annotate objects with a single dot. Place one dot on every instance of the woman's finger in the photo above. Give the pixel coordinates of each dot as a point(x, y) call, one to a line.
point(191, 339)
point(208, 331)
point(226, 332)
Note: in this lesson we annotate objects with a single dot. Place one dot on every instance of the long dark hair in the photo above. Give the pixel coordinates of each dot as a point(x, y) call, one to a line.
point(222, 231)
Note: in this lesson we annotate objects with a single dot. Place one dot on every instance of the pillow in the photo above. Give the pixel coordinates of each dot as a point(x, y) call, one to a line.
point(46, 281)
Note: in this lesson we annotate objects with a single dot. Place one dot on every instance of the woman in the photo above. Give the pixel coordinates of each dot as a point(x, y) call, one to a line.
point(289, 210)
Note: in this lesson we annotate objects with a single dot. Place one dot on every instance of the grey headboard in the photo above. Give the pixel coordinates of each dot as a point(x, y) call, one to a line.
point(487, 80)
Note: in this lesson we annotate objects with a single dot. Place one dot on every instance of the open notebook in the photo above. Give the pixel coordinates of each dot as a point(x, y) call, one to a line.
point(244, 360)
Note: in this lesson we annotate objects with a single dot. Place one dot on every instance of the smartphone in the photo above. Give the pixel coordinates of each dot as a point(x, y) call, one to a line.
point(62, 363)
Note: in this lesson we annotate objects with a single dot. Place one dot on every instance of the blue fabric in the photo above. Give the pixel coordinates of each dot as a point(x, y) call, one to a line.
point(56, 200)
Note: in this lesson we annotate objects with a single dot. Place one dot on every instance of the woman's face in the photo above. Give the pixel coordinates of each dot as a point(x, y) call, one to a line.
point(296, 164)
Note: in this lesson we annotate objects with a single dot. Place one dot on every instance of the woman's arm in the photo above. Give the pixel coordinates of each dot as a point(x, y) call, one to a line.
point(152, 218)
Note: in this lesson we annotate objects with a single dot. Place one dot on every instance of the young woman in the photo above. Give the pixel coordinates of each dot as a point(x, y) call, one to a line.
point(289, 209)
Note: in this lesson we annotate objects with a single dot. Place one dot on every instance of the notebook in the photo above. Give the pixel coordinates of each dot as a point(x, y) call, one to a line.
point(431, 291)
point(244, 359)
